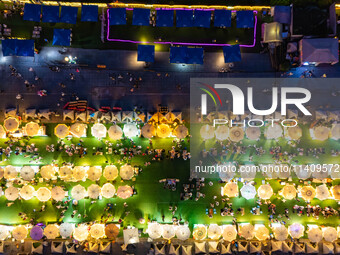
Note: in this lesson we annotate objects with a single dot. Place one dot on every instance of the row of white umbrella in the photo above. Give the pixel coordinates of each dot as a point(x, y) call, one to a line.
point(57, 193)
point(77, 173)
point(115, 132)
point(275, 131)
point(265, 191)
point(81, 233)
point(279, 171)
point(245, 230)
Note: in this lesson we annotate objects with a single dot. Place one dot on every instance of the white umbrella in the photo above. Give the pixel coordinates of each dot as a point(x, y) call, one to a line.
point(296, 230)
point(98, 130)
point(108, 190)
point(231, 189)
point(130, 130)
point(27, 192)
point(249, 172)
point(115, 132)
point(78, 173)
point(247, 231)
point(58, 193)
point(248, 191)
point(214, 231)
point(307, 193)
point(183, 232)
point(32, 128)
point(65, 172)
point(11, 124)
point(19, 233)
point(61, 131)
point(273, 131)
point(93, 191)
point(181, 132)
point(43, 194)
point(330, 234)
point(148, 131)
point(294, 133)
point(97, 231)
point(315, 234)
point(110, 172)
point(78, 130)
point(227, 174)
point(236, 134)
point(10, 172)
point(94, 173)
point(130, 236)
point(261, 232)
point(27, 173)
point(2, 132)
point(200, 232)
point(154, 230)
point(127, 172)
point(321, 133)
point(322, 192)
point(265, 191)
point(168, 231)
point(51, 231)
point(66, 229)
point(124, 192)
point(11, 193)
point(81, 233)
point(335, 132)
point(302, 172)
point(47, 172)
point(78, 192)
point(280, 233)
point(253, 133)
point(4, 233)
point(221, 132)
point(207, 132)
point(229, 233)
point(288, 192)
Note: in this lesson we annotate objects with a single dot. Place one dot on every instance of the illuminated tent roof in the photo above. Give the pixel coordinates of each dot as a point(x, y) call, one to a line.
point(321, 133)
point(272, 32)
point(66, 229)
point(94, 173)
point(207, 132)
point(229, 233)
point(154, 230)
point(78, 192)
point(65, 172)
point(330, 234)
point(315, 234)
point(98, 130)
point(10, 172)
point(200, 232)
point(261, 232)
point(296, 230)
point(246, 231)
point(11, 124)
point(236, 134)
point(307, 193)
point(214, 231)
point(319, 50)
point(97, 231)
point(130, 130)
point(336, 192)
point(110, 172)
point(19, 233)
point(2, 132)
point(288, 192)
point(168, 231)
point(11, 193)
point(126, 172)
point(280, 233)
point(221, 132)
point(57, 193)
point(148, 131)
point(183, 232)
point(111, 231)
point(32, 128)
point(248, 191)
point(78, 130)
point(108, 190)
point(273, 131)
point(61, 131)
point(94, 191)
point(322, 192)
point(81, 233)
point(265, 191)
point(27, 173)
point(4, 233)
point(301, 172)
point(294, 133)
point(51, 231)
point(124, 192)
point(47, 172)
point(78, 173)
point(181, 132)
point(335, 132)
point(115, 132)
point(163, 131)
point(27, 192)
point(43, 194)
point(231, 189)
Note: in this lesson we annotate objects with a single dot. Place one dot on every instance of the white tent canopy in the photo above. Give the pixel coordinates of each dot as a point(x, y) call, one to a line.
point(66, 229)
point(27, 192)
point(78, 192)
point(130, 130)
point(214, 231)
point(27, 173)
point(261, 232)
point(78, 130)
point(93, 191)
point(19, 233)
point(183, 232)
point(330, 234)
point(319, 50)
point(98, 130)
point(246, 230)
point(168, 231)
point(110, 172)
point(115, 132)
point(315, 234)
point(296, 230)
point(154, 230)
point(58, 193)
point(51, 231)
point(280, 232)
point(126, 172)
point(229, 233)
point(108, 190)
point(47, 172)
point(248, 191)
point(265, 191)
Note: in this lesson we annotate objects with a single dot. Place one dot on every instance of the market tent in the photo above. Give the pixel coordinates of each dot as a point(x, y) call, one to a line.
point(89, 13)
point(78, 130)
point(68, 14)
point(11, 193)
point(296, 230)
point(4, 233)
point(78, 192)
point(168, 231)
point(231, 189)
point(61, 37)
point(248, 191)
point(194, 56)
point(335, 190)
point(97, 231)
point(272, 32)
point(253, 133)
point(124, 192)
point(181, 132)
point(98, 130)
point(130, 130)
point(32, 12)
point(148, 131)
point(66, 229)
point(232, 53)
point(94, 173)
point(246, 230)
point(265, 191)
point(115, 132)
point(163, 131)
point(288, 192)
point(110, 172)
point(10, 172)
point(57, 193)
point(43, 194)
point(19, 233)
point(51, 231)
point(244, 19)
point(154, 230)
point(282, 14)
point(302, 171)
point(321, 133)
point(165, 18)
point(141, 17)
point(222, 18)
point(261, 232)
point(200, 232)
point(79, 173)
point(126, 172)
point(2, 132)
point(81, 232)
point(108, 190)
point(315, 234)
point(214, 231)
point(27, 192)
point(146, 53)
point(273, 131)
point(319, 50)
point(94, 191)
point(27, 173)
point(36, 233)
point(131, 236)
point(117, 16)
point(229, 233)
point(335, 132)
point(50, 13)
point(178, 55)
point(236, 134)
point(280, 232)
point(307, 193)
point(111, 231)
point(11, 124)
point(202, 18)
point(65, 172)
point(183, 232)
point(221, 132)
point(294, 133)
point(184, 18)
point(330, 234)
point(32, 129)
